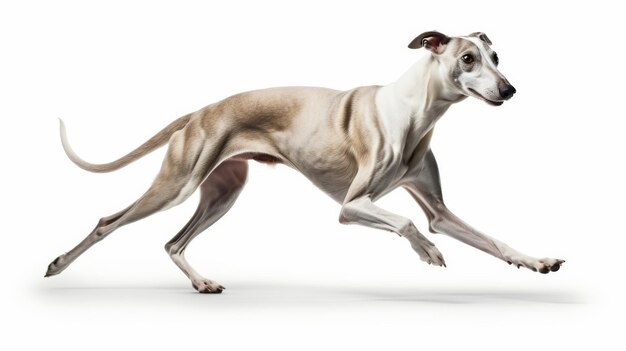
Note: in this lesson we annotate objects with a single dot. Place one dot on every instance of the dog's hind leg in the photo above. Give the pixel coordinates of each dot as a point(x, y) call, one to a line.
point(189, 158)
point(426, 190)
point(217, 195)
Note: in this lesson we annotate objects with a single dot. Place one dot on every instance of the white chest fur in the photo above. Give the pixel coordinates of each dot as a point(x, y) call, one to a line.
point(408, 110)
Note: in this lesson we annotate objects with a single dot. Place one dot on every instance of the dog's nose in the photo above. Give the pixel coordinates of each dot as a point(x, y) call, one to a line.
point(506, 90)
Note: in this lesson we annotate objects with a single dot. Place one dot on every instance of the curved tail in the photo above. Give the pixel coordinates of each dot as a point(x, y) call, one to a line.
point(158, 140)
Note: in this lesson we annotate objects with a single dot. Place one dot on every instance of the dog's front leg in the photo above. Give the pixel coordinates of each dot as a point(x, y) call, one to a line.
point(426, 190)
point(363, 211)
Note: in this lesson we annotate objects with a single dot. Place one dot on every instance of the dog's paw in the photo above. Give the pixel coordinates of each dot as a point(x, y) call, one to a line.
point(541, 265)
point(546, 265)
point(429, 253)
point(57, 266)
point(207, 286)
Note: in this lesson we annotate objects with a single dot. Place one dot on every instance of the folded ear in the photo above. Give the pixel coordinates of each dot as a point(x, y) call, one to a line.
point(433, 41)
point(482, 36)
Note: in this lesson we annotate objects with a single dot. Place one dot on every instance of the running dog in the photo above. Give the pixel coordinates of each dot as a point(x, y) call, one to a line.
point(355, 145)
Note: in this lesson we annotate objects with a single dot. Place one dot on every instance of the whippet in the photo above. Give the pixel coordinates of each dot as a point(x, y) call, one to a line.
point(355, 145)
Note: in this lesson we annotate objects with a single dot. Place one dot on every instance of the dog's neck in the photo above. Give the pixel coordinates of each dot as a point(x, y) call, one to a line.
point(424, 90)
point(410, 106)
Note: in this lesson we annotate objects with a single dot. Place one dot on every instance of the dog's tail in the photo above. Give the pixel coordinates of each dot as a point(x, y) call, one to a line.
point(158, 140)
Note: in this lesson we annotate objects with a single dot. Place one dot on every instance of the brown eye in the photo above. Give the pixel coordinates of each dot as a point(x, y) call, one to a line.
point(495, 58)
point(467, 58)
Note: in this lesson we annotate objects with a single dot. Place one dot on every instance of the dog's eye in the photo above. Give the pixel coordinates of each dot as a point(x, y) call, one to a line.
point(495, 59)
point(467, 58)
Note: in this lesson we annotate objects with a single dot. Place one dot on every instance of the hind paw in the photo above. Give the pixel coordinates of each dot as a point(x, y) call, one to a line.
point(56, 266)
point(207, 286)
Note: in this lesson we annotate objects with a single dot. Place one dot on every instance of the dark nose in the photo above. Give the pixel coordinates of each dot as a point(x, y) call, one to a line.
point(506, 90)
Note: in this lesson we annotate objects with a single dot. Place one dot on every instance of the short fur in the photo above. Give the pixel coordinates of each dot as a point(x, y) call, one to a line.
point(355, 145)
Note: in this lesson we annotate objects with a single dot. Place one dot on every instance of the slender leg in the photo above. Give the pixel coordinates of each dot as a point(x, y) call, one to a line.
point(63, 261)
point(179, 176)
point(362, 211)
point(426, 190)
point(217, 195)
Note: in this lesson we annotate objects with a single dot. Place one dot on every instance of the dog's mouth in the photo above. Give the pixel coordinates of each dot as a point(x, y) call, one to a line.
point(490, 102)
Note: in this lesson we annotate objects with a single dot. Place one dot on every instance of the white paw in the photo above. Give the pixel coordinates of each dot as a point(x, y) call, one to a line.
point(428, 252)
point(541, 265)
point(207, 286)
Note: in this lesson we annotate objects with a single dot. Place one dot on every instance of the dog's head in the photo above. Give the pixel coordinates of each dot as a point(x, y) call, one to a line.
point(469, 65)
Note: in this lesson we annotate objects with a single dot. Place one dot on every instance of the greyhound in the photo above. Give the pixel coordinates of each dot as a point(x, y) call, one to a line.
point(355, 145)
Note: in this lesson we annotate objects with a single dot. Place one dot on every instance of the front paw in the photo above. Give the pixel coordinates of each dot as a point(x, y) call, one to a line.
point(541, 265)
point(429, 253)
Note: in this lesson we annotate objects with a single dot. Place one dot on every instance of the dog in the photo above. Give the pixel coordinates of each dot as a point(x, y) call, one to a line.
point(355, 145)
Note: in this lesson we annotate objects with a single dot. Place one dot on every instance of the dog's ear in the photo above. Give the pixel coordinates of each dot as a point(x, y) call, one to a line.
point(482, 36)
point(433, 41)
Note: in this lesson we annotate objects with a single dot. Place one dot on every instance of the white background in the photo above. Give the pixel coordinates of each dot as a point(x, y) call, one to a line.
point(544, 173)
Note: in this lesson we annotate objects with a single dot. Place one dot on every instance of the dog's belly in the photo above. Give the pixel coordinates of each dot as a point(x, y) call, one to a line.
point(331, 170)
point(332, 178)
